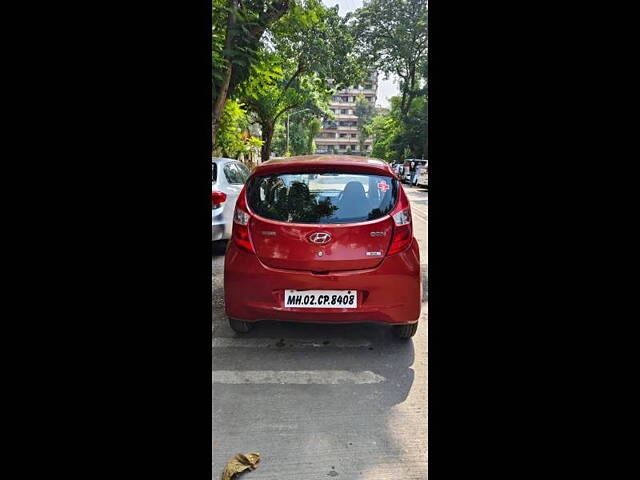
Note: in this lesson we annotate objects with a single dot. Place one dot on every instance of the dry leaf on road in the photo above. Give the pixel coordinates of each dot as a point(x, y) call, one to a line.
point(240, 463)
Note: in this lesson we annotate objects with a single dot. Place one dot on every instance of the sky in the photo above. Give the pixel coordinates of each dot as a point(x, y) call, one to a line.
point(386, 88)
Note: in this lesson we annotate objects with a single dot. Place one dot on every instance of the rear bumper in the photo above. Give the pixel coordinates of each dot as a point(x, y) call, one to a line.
point(220, 227)
point(390, 293)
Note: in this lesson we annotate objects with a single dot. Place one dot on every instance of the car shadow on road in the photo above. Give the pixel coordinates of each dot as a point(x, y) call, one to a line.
point(361, 430)
point(353, 347)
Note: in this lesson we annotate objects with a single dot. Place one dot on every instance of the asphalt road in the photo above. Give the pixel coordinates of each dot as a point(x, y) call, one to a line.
point(322, 401)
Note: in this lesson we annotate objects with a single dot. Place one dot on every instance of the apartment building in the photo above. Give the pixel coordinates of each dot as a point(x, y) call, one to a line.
point(341, 135)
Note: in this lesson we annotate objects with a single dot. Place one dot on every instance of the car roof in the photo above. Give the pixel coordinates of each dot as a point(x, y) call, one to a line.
point(326, 162)
point(222, 160)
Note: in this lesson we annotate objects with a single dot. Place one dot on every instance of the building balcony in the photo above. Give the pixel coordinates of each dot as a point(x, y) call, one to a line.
point(340, 141)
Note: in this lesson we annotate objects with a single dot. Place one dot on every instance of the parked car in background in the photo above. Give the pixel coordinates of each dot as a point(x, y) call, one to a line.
point(410, 166)
point(323, 238)
point(227, 179)
point(423, 177)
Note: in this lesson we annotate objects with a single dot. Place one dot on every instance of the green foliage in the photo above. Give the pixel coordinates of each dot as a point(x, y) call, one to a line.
point(233, 137)
point(314, 129)
point(308, 54)
point(392, 37)
point(269, 97)
point(242, 25)
point(282, 57)
point(385, 129)
point(365, 111)
point(303, 128)
point(319, 41)
point(400, 136)
point(219, 19)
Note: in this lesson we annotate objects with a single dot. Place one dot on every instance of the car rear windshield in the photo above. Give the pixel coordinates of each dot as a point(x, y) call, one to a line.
point(322, 197)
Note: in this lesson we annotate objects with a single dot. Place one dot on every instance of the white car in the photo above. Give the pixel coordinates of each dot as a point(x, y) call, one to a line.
point(227, 179)
point(406, 176)
point(423, 177)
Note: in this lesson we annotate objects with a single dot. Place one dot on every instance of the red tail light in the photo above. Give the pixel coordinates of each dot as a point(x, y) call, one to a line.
point(217, 199)
point(241, 219)
point(403, 226)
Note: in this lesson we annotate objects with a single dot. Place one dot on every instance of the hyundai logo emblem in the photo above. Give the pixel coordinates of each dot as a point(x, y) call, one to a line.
point(320, 238)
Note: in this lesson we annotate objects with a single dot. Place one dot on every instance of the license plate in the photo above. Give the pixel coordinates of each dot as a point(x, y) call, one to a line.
point(321, 299)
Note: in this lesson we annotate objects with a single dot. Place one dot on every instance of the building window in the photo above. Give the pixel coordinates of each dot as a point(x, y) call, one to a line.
point(343, 147)
point(343, 111)
point(343, 135)
point(345, 99)
point(353, 135)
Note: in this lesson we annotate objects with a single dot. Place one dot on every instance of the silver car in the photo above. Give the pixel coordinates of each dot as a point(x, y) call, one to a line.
point(423, 177)
point(228, 177)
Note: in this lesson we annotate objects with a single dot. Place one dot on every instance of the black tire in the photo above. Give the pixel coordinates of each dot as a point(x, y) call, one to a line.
point(239, 326)
point(405, 331)
point(219, 247)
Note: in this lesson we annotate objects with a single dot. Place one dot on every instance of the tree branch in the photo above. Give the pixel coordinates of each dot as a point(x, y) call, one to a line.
point(290, 107)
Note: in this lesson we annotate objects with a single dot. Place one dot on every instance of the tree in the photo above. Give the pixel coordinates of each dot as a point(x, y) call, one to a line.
point(385, 129)
point(301, 133)
point(392, 37)
point(238, 26)
point(365, 110)
point(398, 136)
point(314, 129)
point(286, 94)
point(233, 137)
point(309, 54)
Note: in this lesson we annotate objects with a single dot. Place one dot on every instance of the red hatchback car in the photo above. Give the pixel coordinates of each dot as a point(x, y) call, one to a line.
point(324, 239)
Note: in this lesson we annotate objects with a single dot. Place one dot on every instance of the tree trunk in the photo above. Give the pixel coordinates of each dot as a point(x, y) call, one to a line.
point(267, 136)
point(220, 102)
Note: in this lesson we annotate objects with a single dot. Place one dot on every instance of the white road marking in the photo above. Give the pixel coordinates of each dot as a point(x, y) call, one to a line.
point(295, 377)
point(222, 342)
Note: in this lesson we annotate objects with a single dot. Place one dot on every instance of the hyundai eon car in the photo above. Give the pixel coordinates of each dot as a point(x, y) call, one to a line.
point(323, 239)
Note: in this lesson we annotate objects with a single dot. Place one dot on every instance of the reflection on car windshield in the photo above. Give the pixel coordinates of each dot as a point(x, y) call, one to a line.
point(322, 197)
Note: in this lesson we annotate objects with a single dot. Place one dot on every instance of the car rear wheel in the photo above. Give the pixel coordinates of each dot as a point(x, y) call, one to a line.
point(239, 326)
point(219, 247)
point(405, 331)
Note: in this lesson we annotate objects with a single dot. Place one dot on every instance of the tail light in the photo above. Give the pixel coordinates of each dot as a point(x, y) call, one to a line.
point(241, 219)
point(403, 227)
point(217, 199)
